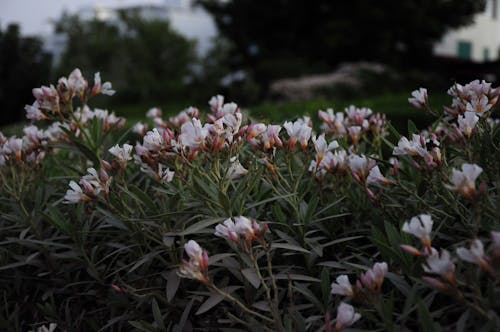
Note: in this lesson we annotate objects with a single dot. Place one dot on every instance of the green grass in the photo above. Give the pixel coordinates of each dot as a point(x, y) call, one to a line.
point(395, 106)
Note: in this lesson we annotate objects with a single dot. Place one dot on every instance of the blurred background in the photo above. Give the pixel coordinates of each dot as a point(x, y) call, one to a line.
point(279, 58)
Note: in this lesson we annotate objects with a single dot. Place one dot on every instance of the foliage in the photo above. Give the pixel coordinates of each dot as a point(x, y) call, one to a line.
point(238, 225)
point(283, 38)
point(23, 65)
point(149, 53)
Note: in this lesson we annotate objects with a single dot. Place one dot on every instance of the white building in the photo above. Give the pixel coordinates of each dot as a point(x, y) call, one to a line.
point(479, 42)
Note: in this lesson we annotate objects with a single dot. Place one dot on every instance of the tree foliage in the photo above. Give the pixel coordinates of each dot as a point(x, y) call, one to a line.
point(279, 38)
point(148, 56)
point(23, 65)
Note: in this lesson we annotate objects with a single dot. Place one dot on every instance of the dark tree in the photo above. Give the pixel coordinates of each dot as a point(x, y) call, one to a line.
point(23, 66)
point(276, 38)
point(144, 59)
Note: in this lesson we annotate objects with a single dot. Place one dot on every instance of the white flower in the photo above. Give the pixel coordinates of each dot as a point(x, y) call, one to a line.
point(270, 137)
point(342, 286)
point(52, 327)
point(153, 141)
point(123, 154)
point(227, 230)
point(139, 128)
point(332, 122)
point(193, 250)
point(255, 130)
point(298, 131)
point(412, 148)
point(75, 194)
point(358, 115)
point(375, 176)
point(193, 134)
point(216, 102)
point(360, 166)
point(345, 316)
point(478, 105)
point(243, 226)
point(154, 112)
point(105, 89)
point(33, 112)
point(464, 181)
point(76, 82)
point(354, 132)
point(322, 147)
point(421, 227)
point(474, 255)
point(419, 98)
point(467, 123)
point(235, 169)
point(440, 264)
point(197, 266)
point(165, 174)
point(233, 121)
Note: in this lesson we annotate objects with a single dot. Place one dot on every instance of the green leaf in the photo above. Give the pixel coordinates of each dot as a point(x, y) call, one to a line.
point(251, 275)
point(143, 197)
point(199, 226)
point(412, 129)
point(425, 320)
point(325, 286)
point(215, 299)
point(173, 282)
point(288, 246)
point(157, 315)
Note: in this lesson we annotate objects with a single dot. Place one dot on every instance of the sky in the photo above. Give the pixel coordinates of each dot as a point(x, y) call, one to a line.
point(34, 16)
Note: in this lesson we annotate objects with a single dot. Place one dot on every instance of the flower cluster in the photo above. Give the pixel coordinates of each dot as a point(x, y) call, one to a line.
point(238, 228)
point(197, 265)
point(92, 185)
point(32, 147)
point(52, 101)
point(368, 285)
point(352, 123)
point(423, 151)
point(440, 263)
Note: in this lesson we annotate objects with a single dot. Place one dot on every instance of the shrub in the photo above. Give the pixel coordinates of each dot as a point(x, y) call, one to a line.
point(232, 225)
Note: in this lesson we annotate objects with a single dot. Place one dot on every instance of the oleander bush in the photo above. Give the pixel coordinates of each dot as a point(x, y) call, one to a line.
point(211, 221)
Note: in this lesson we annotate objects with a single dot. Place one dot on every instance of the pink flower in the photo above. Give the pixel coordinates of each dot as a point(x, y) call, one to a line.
point(467, 123)
point(464, 181)
point(419, 98)
point(322, 147)
point(105, 89)
point(75, 194)
point(235, 169)
point(345, 316)
point(421, 227)
point(474, 255)
point(441, 265)
point(153, 113)
point(193, 135)
point(228, 231)
point(479, 105)
point(354, 132)
point(298, 131)
point(270, 137)
point(375, 176)
point(122, 154)
point(342, 286)
point(197, 266)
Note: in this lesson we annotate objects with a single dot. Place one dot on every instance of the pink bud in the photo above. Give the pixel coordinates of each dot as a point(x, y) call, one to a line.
point(435, 283)
point(103, 175)
point(106, 165)
point(411, 250)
